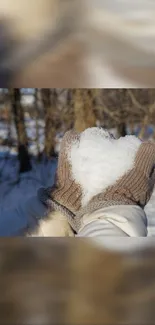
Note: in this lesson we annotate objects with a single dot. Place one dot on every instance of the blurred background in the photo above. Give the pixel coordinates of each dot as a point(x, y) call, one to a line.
point(75, 282)
point(34, 120)
point(77, 43)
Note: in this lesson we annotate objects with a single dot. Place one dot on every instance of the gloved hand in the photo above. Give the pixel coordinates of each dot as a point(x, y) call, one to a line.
point(95, 170)
point(65, 194)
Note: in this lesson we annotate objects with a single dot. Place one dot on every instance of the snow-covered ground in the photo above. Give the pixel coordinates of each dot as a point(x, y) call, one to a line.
point(14, 187)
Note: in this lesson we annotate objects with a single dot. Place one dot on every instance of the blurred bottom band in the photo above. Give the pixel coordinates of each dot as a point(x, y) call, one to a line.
point(76, 281)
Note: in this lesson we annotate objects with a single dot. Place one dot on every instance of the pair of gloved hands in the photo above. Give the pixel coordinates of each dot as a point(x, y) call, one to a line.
point(96, 170)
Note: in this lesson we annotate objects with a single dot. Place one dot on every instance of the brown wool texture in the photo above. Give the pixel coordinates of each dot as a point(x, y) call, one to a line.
point(134, 188)
point(67, 192)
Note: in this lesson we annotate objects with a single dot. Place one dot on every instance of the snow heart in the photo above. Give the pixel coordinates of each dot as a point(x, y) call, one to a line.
point(98, 160)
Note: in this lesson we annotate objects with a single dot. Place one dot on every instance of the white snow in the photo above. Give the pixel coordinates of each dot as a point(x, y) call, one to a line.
point(14, 187)
point(27, 100)
point(98, 160)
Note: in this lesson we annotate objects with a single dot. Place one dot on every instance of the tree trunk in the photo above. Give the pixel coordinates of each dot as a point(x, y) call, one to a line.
point(37, 125)
point(49, 99)
point(83, 109)
point(144, 125)
point(121, 130)
point(18, 115)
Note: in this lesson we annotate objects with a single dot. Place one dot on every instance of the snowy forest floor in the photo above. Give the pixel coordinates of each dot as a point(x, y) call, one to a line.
point(14, 186)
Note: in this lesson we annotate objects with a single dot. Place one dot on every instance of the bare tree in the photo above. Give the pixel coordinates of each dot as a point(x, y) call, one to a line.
point(83, 109)
point(22, 140)
point(49, 98)
point(36, 113)
point(63, 109)
point(120, 108)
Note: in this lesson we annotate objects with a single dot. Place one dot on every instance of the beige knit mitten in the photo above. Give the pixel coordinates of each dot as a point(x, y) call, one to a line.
point(66, 191)
point(133, 186)
point(65, 195)
point(136, 186)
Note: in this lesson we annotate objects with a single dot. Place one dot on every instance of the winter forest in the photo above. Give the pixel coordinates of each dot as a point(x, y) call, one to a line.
point(33, 121)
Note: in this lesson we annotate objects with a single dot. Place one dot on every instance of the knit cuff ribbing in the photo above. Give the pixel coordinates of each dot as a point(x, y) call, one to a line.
point(53, 205)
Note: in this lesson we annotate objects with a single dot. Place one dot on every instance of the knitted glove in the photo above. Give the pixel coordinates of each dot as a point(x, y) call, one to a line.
point(65, 190)
point(78, 190)
point(134, 188)
point(65, 195)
